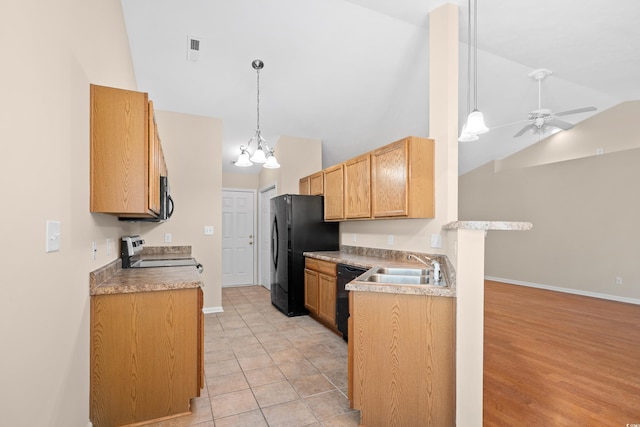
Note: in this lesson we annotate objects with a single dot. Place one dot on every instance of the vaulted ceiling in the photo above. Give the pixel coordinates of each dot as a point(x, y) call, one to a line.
point(354, 73)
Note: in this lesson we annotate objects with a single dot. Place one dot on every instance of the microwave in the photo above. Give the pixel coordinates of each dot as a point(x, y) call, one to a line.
point(166, 205)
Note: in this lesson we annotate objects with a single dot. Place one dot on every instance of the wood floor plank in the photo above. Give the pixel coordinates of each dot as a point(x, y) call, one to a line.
point(557, 359)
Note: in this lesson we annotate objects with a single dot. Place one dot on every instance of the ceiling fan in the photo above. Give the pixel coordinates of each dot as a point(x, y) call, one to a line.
point(543, 119)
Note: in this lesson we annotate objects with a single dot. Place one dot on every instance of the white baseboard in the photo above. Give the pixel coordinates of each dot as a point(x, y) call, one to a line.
point(565, 290)
point(209, 310)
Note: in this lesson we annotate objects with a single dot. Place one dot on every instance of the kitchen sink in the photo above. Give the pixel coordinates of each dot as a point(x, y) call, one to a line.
point(399, 279)
point(403, 271)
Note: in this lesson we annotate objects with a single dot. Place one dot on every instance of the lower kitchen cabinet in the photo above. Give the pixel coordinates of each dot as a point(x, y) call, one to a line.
point(402, 359)
point(320, 290)
point(146, 355)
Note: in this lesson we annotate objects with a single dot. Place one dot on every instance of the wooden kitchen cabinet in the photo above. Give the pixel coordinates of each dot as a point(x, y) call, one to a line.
point(312, 185)
point(311, 291)
point(146, 354)
point(357, 187)
point(320, 284)
point(402, 359)
point(126, 154)
point(316, 184)
point(402, 179)
point(334, 193)
point(303, 186)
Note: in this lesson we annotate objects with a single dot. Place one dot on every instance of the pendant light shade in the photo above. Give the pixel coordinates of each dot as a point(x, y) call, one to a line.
point(465, 136)
point(272, 163)
point(475, 123)
point(243, 159)
point(263, 154)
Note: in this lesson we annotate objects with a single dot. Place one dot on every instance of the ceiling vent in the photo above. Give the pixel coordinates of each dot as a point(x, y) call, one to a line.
point(193, 48)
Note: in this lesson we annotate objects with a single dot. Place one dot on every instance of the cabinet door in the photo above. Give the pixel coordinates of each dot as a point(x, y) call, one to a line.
point(390, 180)
point(147, 343)
point(316, 184)
point(304, 186)
point(119, 179)
point(155, 153)
point(327, 298)
point(357, 183)
point(311, 290)
point(334, 193)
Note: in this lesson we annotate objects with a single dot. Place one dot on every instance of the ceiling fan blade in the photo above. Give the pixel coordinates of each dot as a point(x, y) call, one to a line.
point(524, 129)
point(559, 124)
point(576, 111)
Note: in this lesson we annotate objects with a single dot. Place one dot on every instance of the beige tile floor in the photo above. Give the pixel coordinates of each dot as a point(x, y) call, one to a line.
point(263, 368)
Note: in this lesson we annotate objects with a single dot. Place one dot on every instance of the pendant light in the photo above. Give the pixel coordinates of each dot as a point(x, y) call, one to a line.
point(475, 121)
point(465, 136)
point(263, 154)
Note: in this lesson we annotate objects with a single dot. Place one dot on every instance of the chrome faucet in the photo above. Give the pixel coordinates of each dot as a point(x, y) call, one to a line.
point(432, 264)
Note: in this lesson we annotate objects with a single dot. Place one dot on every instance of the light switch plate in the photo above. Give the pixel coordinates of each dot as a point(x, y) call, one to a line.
point(53, 236)
point(436, 241)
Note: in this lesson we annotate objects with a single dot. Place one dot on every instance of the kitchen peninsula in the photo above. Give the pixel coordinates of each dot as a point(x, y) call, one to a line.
point(401, 341)
point(146, 341)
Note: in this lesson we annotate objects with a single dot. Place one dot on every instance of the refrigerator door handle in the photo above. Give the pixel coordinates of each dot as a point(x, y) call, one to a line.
point(274, 242)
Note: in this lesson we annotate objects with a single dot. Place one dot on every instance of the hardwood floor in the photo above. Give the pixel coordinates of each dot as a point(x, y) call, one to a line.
point(556, 359)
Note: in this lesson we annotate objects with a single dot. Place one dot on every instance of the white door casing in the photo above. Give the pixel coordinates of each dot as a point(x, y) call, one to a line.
point(238, 213)
point(264, 241)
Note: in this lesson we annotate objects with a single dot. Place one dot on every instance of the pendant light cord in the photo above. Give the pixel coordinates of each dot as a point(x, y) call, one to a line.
point(258, 101)
point(469, 59)
point(475, 54)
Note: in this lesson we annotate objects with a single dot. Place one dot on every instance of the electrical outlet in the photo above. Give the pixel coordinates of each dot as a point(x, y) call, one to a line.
point(108, 246)
point(354, 237)
point(436, 241)
point(167, 237)
point(208, 230)
point(390, 240)
point(618, 280)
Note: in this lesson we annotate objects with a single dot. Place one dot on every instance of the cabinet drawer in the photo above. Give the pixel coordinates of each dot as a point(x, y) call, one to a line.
point(325, 267)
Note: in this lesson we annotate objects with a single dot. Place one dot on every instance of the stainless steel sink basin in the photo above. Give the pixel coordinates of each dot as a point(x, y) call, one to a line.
point(398, 279)
point(403, 271)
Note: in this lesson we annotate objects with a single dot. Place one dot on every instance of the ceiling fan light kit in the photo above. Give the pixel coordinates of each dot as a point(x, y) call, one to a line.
point(263, 154)
point(544, 120)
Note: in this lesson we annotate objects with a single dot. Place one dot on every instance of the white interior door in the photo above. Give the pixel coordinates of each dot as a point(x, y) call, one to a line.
point(264, 228)
point(237, 237)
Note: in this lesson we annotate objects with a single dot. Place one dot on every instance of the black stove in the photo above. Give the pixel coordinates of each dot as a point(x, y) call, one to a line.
point(130, 253)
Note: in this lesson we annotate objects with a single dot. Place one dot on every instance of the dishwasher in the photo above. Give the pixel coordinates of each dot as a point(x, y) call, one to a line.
point(346, 273)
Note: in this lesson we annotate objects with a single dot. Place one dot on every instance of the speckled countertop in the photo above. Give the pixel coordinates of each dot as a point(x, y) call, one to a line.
point(113, 279)
point(372, 257)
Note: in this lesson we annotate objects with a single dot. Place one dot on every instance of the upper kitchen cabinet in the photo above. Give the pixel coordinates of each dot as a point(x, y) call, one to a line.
point(126, 154)
point(357, 184)
point(312, 184)
point(402, 179)
point(334, 193)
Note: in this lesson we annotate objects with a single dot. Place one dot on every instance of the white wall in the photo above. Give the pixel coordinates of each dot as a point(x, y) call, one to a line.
point(50, 53)
point(583, 208)
point(298, 157)
point(192, 147)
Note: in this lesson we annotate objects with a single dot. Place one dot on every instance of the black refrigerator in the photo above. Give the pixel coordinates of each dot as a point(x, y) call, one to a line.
point(297, 226)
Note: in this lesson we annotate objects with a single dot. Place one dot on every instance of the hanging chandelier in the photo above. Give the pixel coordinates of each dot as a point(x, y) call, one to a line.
point(262, 154)
point(475, 120)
